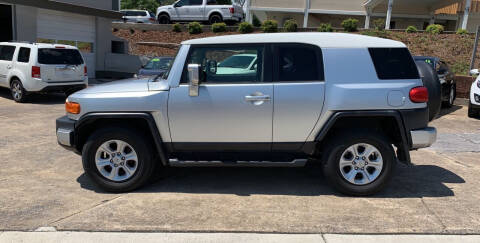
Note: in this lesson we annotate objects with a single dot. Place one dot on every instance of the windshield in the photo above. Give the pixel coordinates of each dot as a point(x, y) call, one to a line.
point(158, 63)
point(237, 62)
point(59, 56)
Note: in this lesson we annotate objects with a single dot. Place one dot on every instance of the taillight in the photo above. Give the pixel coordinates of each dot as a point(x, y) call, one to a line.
point(232, 10)
point(152, 19)
point(85, 70)
point(419, 94)
point(36, 72)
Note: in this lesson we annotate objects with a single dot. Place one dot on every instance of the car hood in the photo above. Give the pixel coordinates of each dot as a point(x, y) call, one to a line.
point(165, 7)
point(127, 85)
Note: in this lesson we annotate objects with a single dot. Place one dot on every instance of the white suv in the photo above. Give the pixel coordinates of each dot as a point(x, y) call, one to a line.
point(138, 16)
point(474, 104)
point(35, 67)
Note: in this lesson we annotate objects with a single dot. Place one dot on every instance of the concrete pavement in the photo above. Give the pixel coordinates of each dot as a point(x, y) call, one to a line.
point(116, 237)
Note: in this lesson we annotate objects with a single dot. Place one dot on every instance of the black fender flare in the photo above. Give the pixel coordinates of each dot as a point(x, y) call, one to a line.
point(90, 118)
point(403, 152)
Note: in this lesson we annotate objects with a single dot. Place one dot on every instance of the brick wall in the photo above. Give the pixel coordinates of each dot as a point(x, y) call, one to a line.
point(463, 85)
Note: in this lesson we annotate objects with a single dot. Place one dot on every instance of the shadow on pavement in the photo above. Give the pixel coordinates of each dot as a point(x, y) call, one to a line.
point(41, 99)
point(446, 111)
point(408, 182)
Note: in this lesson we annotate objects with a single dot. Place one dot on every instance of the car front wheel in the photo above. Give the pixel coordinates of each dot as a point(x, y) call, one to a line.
point(359, 163)
point(472, 112)
point(118, 159)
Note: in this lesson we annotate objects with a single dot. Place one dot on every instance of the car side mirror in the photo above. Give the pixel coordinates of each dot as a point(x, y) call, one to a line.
point(212, 66)
point(474, 72)
point(194, 77)
point(176, 5)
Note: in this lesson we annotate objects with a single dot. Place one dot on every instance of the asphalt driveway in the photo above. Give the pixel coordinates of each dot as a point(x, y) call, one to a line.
point(43, 185)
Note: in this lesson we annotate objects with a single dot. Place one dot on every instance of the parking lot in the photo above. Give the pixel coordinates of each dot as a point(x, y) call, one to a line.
point(43, 185)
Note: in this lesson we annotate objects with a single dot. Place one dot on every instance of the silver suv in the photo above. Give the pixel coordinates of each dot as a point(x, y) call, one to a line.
point(352, 102)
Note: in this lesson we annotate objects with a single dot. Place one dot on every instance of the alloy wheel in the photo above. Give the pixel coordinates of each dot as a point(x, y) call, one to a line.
point(17, 91)
point(116, 160)
point(361, 164)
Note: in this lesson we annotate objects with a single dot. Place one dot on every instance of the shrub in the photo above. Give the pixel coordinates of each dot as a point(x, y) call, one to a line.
point(255, 21)
point(350, 25)
point(462, 32)
point(411, 29)
point(379, 24)
point(195, 28)
point(434, 29)
point(325, 27)
point(245, 28)
point(177, 28)
point(376, 33)
point(270, 26)
point(290, 26)
point(219, 27)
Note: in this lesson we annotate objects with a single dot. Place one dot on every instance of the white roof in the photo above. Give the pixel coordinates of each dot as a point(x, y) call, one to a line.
point(324, 40)
point(39, 45)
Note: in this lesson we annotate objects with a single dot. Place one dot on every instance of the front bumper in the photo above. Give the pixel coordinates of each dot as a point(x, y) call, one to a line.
point(422, 138)
point(66, 133)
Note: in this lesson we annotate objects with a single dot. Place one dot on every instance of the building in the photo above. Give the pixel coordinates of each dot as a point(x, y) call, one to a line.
point(82, 23)
point(398, 14)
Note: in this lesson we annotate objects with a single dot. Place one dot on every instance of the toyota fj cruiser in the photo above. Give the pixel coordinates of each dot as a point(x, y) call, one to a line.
point(352, 102)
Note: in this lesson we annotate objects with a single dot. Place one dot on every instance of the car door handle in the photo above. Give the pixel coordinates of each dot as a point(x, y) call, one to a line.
point(257, 98)
point(9, 67)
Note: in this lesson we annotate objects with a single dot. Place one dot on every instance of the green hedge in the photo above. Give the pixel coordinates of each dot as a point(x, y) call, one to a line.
point(194, 28)
point(219, 27)
point(270, 26)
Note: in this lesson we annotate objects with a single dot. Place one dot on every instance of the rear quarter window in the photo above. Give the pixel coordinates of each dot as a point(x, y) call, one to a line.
point(59, 56)
point(393, 63)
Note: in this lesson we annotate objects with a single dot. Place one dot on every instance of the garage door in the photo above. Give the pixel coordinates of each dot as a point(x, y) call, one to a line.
point(69, 28)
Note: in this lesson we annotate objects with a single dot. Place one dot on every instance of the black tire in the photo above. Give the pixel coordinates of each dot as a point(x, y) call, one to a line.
point(334, 151)
point(215, 18)
point(19, 94)
point(146, 164)
point(451, 100)
point(472, 112)
point(163, 19)
point(432, 83)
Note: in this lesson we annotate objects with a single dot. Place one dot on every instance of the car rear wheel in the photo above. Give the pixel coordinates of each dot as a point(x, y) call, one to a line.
point(18, 92)
point(451, 97)
point(359, 163)
point(117, 159)
point(215, 18)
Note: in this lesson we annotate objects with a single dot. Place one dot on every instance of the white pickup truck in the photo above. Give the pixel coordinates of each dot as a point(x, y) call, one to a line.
point(212, 11)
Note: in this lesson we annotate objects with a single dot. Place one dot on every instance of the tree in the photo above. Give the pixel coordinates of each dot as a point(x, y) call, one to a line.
point(150, 5)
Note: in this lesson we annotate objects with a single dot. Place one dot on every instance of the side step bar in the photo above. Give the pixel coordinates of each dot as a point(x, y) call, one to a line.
point(294, 163)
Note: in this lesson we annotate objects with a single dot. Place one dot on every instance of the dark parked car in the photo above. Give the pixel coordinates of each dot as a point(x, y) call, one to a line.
point(446, 77)
point(156, 66)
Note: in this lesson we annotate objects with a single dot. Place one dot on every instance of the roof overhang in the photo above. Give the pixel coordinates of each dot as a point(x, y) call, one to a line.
point(67, 7)
point(432, 5)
